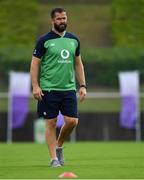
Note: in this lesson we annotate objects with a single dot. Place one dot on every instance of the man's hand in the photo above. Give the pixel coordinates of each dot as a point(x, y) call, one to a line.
point(82, 93)
point(37, 93)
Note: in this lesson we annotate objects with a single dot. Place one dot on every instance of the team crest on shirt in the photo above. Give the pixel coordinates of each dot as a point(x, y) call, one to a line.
point(72, 43)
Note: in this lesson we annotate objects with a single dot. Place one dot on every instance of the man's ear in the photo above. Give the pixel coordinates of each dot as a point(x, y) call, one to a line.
point(52, 21)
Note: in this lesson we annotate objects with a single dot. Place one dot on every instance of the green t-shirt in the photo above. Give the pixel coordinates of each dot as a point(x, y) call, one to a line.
point(57, 54)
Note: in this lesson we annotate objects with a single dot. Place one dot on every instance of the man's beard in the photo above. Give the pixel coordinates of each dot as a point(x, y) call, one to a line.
point(61, 27)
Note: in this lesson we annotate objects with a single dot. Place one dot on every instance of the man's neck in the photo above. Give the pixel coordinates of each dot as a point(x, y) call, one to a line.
point(59, 33)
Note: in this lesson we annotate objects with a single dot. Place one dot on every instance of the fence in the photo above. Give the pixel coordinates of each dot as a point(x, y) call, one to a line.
point(92, 96)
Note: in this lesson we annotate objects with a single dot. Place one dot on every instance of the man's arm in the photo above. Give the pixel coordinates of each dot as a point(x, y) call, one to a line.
point(80, 74)
point(34, 71)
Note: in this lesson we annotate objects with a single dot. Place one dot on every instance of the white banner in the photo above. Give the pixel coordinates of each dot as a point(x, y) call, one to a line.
point(20, 83)
point(129, 83)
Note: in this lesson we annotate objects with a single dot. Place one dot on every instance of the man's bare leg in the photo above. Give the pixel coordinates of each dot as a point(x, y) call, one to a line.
point(66, 129)
point(50, 135)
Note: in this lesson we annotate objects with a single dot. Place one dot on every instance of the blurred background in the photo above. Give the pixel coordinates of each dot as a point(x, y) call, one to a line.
point(112, 40)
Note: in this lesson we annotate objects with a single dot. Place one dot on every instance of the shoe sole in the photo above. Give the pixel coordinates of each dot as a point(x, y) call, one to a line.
point(55, 166)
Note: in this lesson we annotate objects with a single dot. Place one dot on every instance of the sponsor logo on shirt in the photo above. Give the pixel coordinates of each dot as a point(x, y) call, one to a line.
point(64, 61)
point(65, 55)
point(52, 44)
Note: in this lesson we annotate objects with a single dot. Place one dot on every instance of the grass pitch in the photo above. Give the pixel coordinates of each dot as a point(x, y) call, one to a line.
point(92, 160)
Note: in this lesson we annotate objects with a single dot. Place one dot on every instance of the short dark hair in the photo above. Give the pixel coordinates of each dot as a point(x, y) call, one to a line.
point(57, 9)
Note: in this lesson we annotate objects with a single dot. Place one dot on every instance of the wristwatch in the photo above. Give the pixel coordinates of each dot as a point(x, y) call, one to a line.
point(83, 86)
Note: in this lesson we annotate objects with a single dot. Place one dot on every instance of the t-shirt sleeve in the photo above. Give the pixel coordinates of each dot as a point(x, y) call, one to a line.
point(39, 49)
point(78, 48)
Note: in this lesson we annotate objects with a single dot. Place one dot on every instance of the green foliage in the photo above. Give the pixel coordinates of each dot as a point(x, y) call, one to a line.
point(18, 30)
point(128, 23)
point(18, 22)
point(90, 22)
point(102, 65)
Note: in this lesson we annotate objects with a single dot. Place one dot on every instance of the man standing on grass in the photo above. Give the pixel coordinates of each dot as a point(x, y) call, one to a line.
point(56, 59)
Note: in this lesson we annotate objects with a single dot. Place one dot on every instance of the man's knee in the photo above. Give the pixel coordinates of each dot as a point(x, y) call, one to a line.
point(71, 121)
point(51, 123)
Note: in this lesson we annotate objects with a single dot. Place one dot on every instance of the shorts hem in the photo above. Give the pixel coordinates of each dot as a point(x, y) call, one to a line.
point(72, 116)
point(48, 117)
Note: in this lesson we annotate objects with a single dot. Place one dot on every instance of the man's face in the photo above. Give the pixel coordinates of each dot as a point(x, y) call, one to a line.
point(60, 21)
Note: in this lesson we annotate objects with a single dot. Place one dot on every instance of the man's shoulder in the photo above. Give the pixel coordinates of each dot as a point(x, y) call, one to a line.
point(46, 36)
point(71, 35)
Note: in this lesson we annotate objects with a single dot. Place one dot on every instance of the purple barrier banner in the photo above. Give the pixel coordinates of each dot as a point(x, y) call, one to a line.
point(19, 93)
point(128, 115)
point(19, 110)
point(129, 90)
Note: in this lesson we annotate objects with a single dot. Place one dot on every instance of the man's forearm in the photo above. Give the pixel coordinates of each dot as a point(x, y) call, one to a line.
point(34, 73)
point(80, 73)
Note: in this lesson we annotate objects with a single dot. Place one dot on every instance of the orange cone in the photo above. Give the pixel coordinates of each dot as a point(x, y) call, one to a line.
point(68, 175)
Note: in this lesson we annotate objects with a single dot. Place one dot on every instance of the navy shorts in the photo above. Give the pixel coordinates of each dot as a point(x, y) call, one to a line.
point(54, 101)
